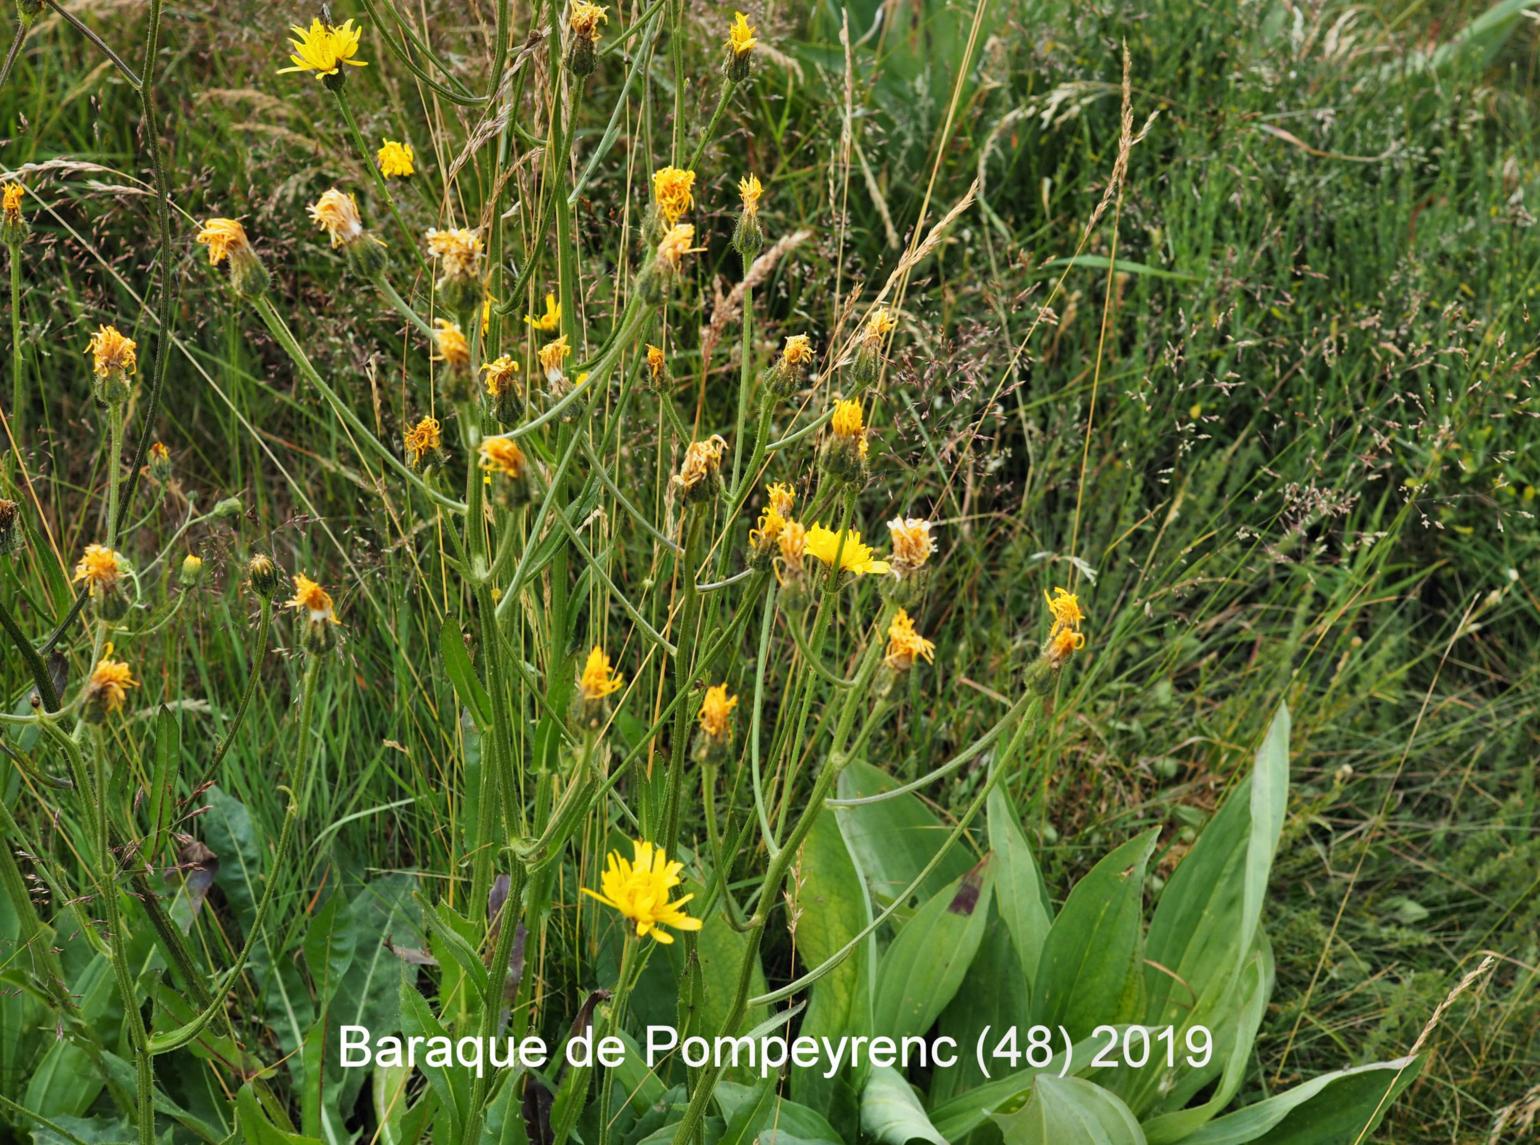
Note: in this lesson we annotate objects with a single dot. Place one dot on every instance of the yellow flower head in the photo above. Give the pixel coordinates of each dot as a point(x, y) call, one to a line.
point(774, 517)
point(225, 238)
point(457, 249)
point(846, 421)
point(112, 354)
point(313, 600)
point(422, 439)
point(701, 460)
point(1062, 644)
point(10, 201)
point(324, 48)
point(825, 546)
point(1065, 607)
point(159, 453)
point(598, 679)
point(551, 357)
point(905, 645)
point(336, 213)
point(584, 19)
point(716, 712)
point(502, 455)
point(673, 188)
point(107, 689)
point(912, 543)
point(793, 546)
point(750, 190)
point(675, 245)
point(639, 890)
point(797, 352)
point(100, 568)
point(655, 362)
point(550, 321)
point(878, 326)
point(450, 346)
point(396, 160)
point(502, 374)
point(740, 36)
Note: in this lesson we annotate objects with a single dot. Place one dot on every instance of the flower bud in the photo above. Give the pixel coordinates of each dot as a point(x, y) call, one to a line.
point(158, 462)
point(262, 576)
point(229, 507)
point(740, 46)
point(190, 575)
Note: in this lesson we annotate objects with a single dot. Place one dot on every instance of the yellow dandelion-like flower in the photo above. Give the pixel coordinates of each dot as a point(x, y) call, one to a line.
point(450, 345)
point(846, 421)
point(912, 543)
point(1065, 607)
point(750, 190)
point(502, 455)
point(655, 362)
point(502, 374)
point(639, 890)
point(878, 326)
point(716, 712)
point(458, 250)
point(598, 678)
point(905, 645)
point(112, 354)
point(11, 199)
point(100, 569)
point(551, 357)
point(312, 600)
point(740, 36)
point(336, 213)
point(107, 689)
point(797, 352)
point(1062, 644)
point(584, 19)
point(324, 48)
point(673, 190)
point(674, 245)
point(225, 238)
point(422, 439)
point(826, 546)
point(793, 545)
point(396, 160)
point(774, 517)
point(550, 321)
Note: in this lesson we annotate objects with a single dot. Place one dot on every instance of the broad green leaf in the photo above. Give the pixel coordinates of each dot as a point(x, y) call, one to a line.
point(1023, 899)
point(832, 909)
point(778, 1115)
point(91, 1130)
point(1090, 974)
point(1338, 1108)
point(926, 961)
point(462, 674)
point(893, 841)
point(256, 1129)
point(993, 996)
point(1070, 1111)
point(890, 1111)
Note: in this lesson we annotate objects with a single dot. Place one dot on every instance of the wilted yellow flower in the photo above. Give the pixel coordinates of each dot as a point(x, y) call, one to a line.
point(100, 568)
point(396, 160)
point(750, 190)
point(550, 321)
point(639, 890)
point(598, 679)
point(107, 689)
point(675, 245)
point(716, 713)
point(825, 545)
point(336, 213)
point(10, 201)
point(797, 352)
point(793, 546)
point(774, 517)
point(655, 362)
point(457, 249)
point(501, 373)
point(159, 461)
point(702, 459)
point(740, 36)
point(450, 344)
point(225, 238)
point(112, 354)
point(324, 48)
point(1065, 607)
point(584, 19)
point(905, 644)
point(878, 326)
point(672, 188)
point(1061, 645)
point(502, 455)
point(912, 543)
point(551, 357)
point(422, 439)
point(312, 600)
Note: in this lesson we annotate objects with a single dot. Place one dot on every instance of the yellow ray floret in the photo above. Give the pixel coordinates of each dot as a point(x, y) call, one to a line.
point(324, 48)
point(826, 546)
point(639, 888)
point(599, 679)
